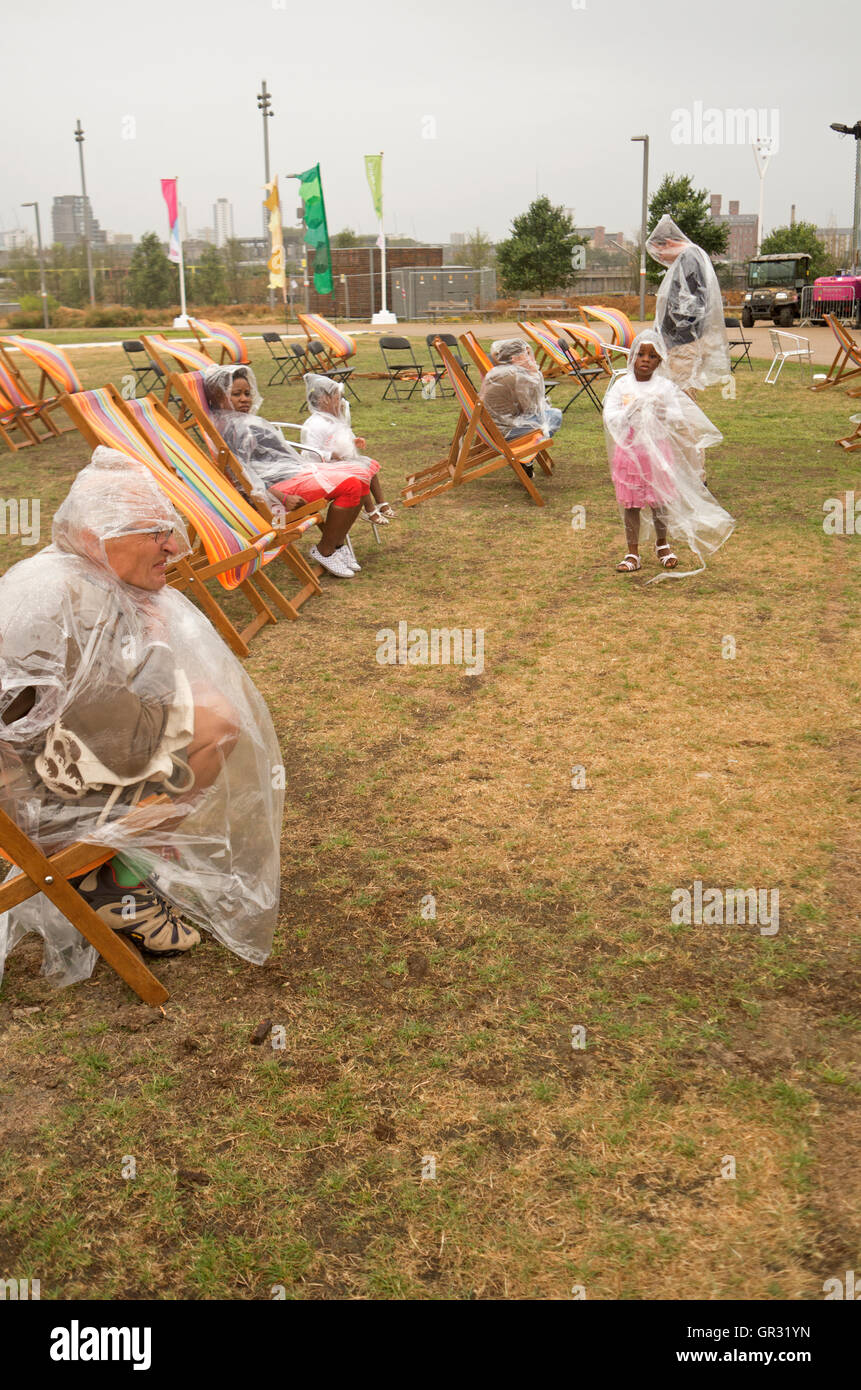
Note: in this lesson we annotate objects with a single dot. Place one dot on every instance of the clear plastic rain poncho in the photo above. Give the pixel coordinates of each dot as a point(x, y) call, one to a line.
point(330, 434)
point(689, 312)
point(259, 445)
point(103, 684)
point(513, 389)
point(656, 441)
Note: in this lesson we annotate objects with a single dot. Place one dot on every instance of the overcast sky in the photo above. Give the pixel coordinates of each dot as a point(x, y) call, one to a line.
point(476, 103)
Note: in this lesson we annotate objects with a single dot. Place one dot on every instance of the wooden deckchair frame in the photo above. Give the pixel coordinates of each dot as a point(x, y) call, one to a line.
point(482, 360)
point(848, 351)
point(50, 874)
point(851, 442)
point(191, 572)
point(42, 406)
point(192, 417)
point(477, 447)
point(560, 364)
point(588, 347)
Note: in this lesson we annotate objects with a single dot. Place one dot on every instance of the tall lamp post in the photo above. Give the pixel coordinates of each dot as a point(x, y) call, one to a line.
point(763, 149)
point(856, 219)
point(42, 290)
point(264, 102)
point(79, 138)
point(644, 217)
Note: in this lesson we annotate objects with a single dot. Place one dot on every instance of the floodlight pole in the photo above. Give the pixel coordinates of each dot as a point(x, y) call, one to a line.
point(644, 217)
point(762, 152)
point(856, 216)
point(42, 290)
point(264, 101)
point(79, 138)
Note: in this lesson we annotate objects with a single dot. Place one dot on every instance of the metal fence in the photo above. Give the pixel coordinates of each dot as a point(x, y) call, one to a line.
point(813, 311)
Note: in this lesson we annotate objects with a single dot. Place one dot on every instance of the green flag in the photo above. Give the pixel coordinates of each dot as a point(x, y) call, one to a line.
point(374, 172)
point(316, 231)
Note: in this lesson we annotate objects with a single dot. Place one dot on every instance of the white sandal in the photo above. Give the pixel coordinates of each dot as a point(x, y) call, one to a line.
point(629, 565)
point(668, 561)
point(375, 517)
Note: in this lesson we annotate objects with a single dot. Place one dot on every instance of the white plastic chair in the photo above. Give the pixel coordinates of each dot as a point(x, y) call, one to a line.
point(787, 347)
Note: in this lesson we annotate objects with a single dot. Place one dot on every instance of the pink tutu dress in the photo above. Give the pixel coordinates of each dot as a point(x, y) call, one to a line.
point(639, 478)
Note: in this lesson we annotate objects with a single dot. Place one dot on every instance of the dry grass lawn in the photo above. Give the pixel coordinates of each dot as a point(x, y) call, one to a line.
point(411, 1038)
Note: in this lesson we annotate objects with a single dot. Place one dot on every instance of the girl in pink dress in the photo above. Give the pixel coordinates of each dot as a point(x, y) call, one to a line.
point(656, 438)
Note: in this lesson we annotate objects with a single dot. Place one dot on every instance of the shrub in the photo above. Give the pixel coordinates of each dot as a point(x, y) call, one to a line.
point(111, 316)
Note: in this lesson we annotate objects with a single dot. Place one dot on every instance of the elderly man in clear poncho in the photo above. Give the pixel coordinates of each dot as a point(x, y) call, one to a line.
point(515, 395)
point(656, 442)
point(689, 312)
point(121, 707)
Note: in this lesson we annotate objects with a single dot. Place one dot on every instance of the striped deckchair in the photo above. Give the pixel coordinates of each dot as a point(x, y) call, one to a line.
point(618, 323)
point(56, 371)
point(190, 359)
point(477, 448)
point(230, 553)
point(848, 356)
point(560, 363)
point(339, 346)
point(477, 353)
point(211, 479)
point(231, 343)
point(586, 344)
point(18, 412)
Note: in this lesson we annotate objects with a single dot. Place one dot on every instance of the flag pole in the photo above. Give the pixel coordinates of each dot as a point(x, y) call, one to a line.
point(182, 321)
point(384, 315)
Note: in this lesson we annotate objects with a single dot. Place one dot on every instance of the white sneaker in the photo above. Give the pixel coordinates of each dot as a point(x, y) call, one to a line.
point(333, 563)
point(345, 553)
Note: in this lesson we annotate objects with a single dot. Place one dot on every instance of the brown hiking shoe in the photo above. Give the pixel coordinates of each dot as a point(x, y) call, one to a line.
point(138, 913)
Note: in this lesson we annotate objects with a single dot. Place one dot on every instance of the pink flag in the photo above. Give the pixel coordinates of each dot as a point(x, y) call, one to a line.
point(168, 188)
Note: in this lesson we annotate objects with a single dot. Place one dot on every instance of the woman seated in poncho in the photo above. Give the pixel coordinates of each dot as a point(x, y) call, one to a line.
point(292, 477)
point(515, 395)
point(115, 688)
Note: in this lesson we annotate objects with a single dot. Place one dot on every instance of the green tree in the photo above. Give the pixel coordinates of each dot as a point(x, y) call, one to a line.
point(152, 280)
point(346, 237)
point(537, 255)
point(801, 237)
point(209, 277)
point(689, 208)
point(233, 256)
point(477, 251)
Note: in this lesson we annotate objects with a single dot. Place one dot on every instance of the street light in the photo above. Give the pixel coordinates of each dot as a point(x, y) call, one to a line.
point(643, 220)
point(763, 149)
point(79, 138)
point(264, 101)
point(43, 291)
point(856, 219)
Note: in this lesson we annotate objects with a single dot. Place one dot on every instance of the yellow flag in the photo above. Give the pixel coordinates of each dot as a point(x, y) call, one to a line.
point(276, 263)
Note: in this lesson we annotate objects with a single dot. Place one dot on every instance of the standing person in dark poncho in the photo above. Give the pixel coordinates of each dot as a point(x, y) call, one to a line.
point(689, 310)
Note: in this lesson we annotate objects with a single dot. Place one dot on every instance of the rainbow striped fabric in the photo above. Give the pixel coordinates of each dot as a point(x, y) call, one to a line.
point(592, 343)
point(109, 421)
point(619, 323)
point(543, 339)
point(191, 359)
point(340, 345)
point(232, 344)
point(11, 395)
point(51, 361)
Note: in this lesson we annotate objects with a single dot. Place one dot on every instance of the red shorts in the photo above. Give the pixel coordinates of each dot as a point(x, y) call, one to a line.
point(348, 493)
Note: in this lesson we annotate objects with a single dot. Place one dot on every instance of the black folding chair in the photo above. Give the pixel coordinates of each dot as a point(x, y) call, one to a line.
point(438, 366)
point(585, 376)
point(133, 347)
point(740, 342)
point(400, 363)
point(283, 355)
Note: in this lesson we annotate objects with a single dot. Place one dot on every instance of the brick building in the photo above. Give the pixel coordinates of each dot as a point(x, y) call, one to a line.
point(742, 229)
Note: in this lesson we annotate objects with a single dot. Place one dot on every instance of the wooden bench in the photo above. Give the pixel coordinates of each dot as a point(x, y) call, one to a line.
point(541, 306)
point(441, 308)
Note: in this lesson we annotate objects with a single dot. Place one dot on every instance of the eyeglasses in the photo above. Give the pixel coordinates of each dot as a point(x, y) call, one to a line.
point(160, 535)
